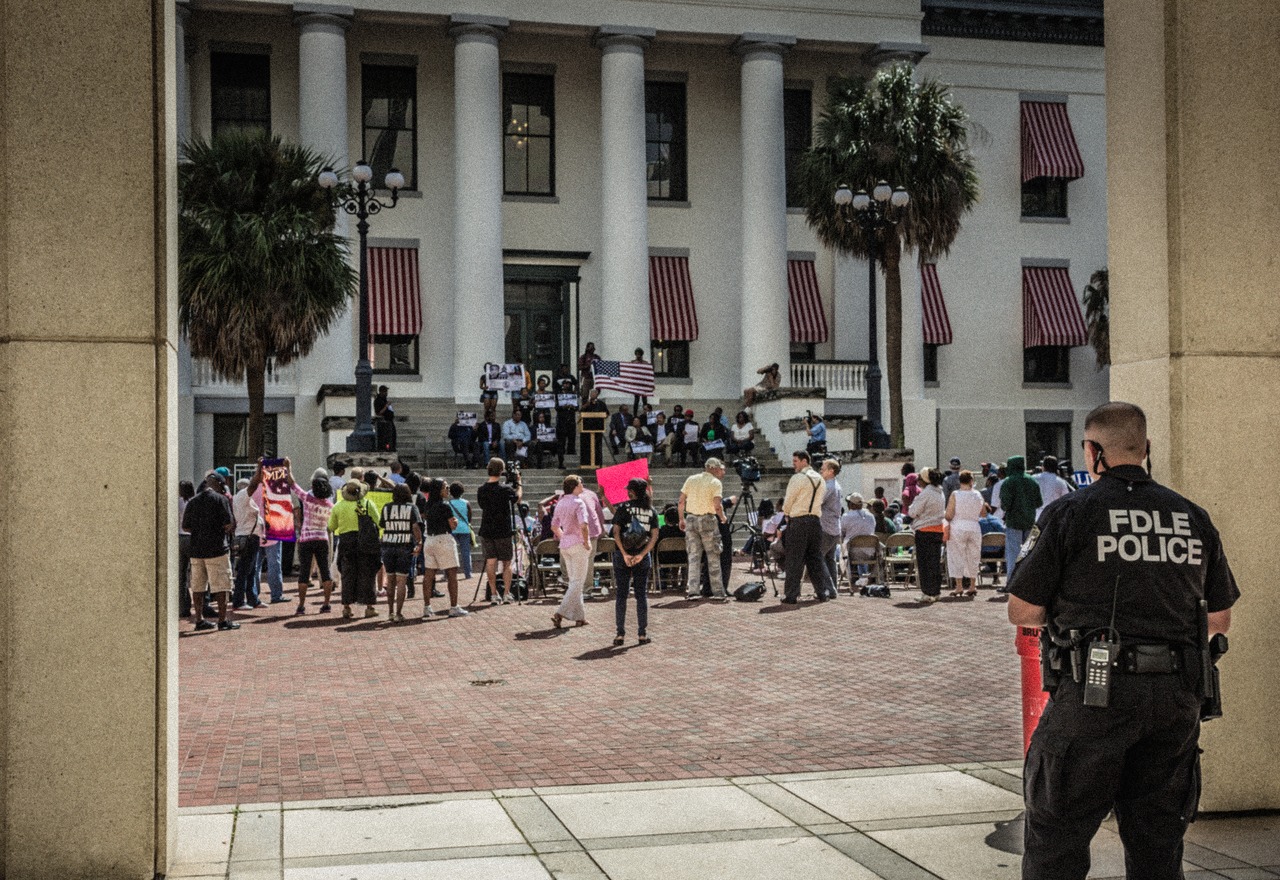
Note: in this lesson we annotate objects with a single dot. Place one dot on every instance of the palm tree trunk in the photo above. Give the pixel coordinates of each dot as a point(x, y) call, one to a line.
point(889, 262)
point(255, 379)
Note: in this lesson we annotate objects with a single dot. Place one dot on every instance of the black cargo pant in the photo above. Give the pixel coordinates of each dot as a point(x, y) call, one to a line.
point(1140, 755)
point(803, 544)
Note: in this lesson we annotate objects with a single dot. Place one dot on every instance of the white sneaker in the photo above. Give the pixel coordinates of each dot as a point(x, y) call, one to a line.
point(926, 600)
point(371, 611)
point(456, 611)
point(863, 581)
point(427, 613)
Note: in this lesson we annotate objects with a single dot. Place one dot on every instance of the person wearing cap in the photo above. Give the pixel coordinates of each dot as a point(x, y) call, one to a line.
point(857, 520)
point(802, 540)
point(701, 510)
point(209, 520)
point(359, 570)
point(951, 480)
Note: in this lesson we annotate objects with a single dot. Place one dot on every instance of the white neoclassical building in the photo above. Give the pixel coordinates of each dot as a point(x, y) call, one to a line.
point(617, 172)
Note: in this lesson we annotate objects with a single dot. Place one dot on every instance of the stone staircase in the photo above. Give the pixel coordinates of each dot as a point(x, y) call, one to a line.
point(423, 423)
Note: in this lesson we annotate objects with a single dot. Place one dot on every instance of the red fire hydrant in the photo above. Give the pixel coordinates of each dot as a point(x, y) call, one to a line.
point(1034, 697)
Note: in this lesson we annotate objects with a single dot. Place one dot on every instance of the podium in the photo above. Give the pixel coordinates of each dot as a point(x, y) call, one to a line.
point(592, 423)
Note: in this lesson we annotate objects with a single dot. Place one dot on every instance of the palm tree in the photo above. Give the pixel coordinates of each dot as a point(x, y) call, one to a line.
point(1097, 316)
point(260, 273)
point(910, 134)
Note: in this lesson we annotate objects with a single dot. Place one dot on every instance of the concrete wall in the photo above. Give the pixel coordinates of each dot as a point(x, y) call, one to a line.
point(88, 769)
point(1193, 116)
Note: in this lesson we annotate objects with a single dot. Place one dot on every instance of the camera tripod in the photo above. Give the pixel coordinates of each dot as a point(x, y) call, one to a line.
point(747, 498)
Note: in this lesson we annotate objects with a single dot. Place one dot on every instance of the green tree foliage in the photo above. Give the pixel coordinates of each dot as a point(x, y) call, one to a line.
point(911, 134)
point(260, 272)
point(1097, 316)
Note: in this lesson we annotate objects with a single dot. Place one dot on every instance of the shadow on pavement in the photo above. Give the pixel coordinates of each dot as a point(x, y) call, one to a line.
point(538, 634)
point(604, 653)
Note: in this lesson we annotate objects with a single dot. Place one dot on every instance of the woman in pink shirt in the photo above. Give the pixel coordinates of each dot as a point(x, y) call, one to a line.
point(569, 524)
point(313, 540)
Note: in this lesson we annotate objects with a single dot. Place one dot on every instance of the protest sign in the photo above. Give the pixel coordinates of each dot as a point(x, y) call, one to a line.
point(277, 500)
point(613, 480)
point(466, 419)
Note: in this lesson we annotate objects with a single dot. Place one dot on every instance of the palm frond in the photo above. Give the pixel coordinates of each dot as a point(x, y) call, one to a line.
point(1097, 315)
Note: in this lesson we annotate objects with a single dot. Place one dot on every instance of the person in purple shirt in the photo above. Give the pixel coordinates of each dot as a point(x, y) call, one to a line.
point(569, 524)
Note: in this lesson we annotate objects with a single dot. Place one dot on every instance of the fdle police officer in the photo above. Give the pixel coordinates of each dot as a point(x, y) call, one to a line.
point(1129, 541)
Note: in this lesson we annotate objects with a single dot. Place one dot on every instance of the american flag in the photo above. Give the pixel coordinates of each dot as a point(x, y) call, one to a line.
point(628, 377)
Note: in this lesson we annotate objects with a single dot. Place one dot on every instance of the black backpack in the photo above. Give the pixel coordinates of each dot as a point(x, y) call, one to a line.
point(367, 540)
point(750, 592)
point(634, 537)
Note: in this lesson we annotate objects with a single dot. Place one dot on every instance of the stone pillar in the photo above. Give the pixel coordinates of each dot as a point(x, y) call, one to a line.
point(624, 233)
point(88, 691)
point(477, 200)
point(766, 335)
point(186, 402)
point(322, 127)
point(1194, 336)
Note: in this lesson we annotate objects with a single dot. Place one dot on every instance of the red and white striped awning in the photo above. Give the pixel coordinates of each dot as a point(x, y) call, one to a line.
point(672, 314)
point(1048, 144)
point(1050, 312)
point(937, 326)
point(395, 293)
point(804, 303)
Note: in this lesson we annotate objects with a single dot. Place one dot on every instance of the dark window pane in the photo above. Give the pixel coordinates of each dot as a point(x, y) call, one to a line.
point(665, 140)
point(240, 91)
point(797, 125)
point(1046, 363)
point(930, 362)
point(231, 439)
point(389, 112)
point(395, 354)
point(1048, 438)
point(803, 352)
point(529, 121)
point(1044, 197)
point(670, 359)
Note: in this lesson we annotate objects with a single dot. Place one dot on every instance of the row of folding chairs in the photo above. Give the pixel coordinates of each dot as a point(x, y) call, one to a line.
point(894, 559)
point(546, 572)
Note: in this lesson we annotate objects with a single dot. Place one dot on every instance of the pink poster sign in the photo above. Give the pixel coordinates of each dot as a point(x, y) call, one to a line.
point(613, 480)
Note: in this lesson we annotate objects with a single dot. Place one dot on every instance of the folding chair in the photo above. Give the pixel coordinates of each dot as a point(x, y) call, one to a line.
point(875, 563)
point(602, 564)
point(679, 567)
point(546, 565)
point(900, 552)
point(989, 541)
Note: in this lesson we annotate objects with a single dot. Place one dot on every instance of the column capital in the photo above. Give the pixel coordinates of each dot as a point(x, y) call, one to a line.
point(610, 35)
point(886, 53)
point(491, 26)
point(779, 44)
point(305, 14)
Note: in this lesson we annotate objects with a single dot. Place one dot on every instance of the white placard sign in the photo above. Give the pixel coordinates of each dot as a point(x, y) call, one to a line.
point(466, 419)
point(504, 377)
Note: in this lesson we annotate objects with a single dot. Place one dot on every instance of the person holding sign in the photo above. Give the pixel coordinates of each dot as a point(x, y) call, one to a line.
point(545, 440)
point(462, 438)
point(566, 391)
point(515, 435)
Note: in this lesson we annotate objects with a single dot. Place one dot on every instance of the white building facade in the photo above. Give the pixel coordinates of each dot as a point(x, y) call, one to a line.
point(615, 172)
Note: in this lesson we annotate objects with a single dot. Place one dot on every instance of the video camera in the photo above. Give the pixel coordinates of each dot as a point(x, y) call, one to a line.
point(747, 469)
point(512, 474)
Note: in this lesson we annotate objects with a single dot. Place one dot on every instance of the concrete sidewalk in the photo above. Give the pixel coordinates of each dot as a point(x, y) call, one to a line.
point(957, 822)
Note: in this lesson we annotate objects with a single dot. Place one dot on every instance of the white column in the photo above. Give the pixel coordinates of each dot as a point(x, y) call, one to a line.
point(186, 401)
point(624, 235)
point(322, 127)
point(765, 330)
point(182, 79)
point(477, 200)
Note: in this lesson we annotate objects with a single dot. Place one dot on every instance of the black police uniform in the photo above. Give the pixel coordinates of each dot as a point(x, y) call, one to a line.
point(1128, 540)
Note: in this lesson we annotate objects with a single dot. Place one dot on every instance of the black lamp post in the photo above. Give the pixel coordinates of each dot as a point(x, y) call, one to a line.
point(876, 212)
point(360, 201)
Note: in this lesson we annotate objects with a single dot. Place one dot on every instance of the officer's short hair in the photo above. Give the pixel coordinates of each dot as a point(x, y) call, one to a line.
point(1121, 424)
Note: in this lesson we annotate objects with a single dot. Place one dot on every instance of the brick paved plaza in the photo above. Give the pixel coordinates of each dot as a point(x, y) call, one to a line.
point(296, 708)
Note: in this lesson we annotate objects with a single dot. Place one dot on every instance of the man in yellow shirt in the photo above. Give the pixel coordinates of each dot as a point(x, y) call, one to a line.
point(803, 538)
point(701, 510)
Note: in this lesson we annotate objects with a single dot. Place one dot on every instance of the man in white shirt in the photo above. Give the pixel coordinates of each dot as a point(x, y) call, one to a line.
point(857, 520)
point(1052, 486)
point(249, 531)
point(515, 435)
point(803, 540)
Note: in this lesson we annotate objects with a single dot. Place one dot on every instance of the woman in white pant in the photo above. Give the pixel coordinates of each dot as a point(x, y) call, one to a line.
point(569, 524)
point(964, 547)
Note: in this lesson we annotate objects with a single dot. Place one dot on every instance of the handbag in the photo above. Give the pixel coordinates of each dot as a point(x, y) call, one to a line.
point(368, 541)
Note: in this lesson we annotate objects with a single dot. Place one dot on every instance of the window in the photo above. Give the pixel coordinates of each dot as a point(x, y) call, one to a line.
point(395, 354)
point(388, 108)
point(665, 141)
point(797, 131)
point(803, 352)
point(930, 362)
point(1044, 197)
point(231, 439)
point(240, 91)
point(670, 359)
point(1046, 363)
point(1048, 438)
point(529, 147)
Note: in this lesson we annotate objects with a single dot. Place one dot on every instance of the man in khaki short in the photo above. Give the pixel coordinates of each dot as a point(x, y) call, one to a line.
point(209, 520)
point(701, 512)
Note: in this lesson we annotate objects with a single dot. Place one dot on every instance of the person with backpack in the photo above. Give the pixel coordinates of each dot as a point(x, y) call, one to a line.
point(359, 549)
point(401, 527)
point(635, 533)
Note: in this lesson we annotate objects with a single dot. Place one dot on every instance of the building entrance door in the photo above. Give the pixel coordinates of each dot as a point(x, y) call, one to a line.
point(536, 323)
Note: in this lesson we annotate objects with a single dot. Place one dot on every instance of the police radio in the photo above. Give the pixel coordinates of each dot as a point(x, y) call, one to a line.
point(1097, 672)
